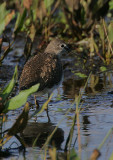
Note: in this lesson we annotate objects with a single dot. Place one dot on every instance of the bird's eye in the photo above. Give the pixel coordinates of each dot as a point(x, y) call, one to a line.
point(62, 45)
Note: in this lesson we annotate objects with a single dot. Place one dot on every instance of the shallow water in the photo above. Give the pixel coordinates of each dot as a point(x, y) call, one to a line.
point(96, 117)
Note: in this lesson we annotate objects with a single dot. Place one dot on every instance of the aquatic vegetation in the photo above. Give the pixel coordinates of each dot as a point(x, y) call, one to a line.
point(19, 99)
point(88, 27)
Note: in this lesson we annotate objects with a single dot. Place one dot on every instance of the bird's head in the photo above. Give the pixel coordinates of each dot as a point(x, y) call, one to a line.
point(57, 47)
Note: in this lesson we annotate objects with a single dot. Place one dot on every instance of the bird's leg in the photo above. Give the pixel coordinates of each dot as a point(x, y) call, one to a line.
point(36, 102)
point(47, 112)
point(37, 106)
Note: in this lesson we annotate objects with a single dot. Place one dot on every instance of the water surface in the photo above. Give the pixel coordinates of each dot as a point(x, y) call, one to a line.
point(96, 117)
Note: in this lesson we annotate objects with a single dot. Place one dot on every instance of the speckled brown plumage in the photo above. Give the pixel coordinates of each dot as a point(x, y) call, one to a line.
point(44, 68)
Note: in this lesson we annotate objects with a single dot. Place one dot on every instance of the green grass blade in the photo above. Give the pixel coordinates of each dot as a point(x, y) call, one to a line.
point(73, 155)
point(105, 138)
point(3, 14)
point(48, 3)
point(111, 157)
point(8, 89)
point(20, 99)
point(20, 21)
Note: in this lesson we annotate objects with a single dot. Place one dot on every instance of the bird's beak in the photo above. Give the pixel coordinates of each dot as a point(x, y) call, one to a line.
point(68, 48)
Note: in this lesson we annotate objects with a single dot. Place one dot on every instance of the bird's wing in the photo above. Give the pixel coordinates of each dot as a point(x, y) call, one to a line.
point(44, 69)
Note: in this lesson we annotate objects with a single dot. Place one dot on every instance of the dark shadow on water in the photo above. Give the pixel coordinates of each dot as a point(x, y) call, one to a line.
point(29, 137)
point(42, 131)
point(96, 84)
point(5, 153)
point(71, 87)
point(86, 123)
